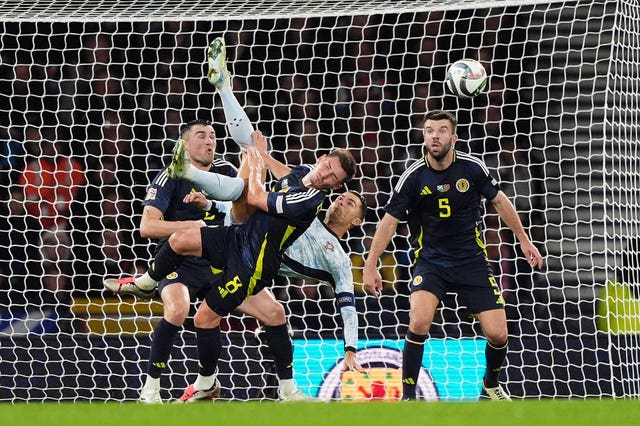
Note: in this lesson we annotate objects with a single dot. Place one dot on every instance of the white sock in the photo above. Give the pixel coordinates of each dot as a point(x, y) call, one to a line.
point(217, 186)
point(191, 171)
point(204, 382)
point(287, 386)
point(152, 383)
point(238, 122)
point(145, 282)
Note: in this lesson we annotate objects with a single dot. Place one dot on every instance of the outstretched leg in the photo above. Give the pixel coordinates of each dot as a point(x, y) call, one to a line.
point(238, 123)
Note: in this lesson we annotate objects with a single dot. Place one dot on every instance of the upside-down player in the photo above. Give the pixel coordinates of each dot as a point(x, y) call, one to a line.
point(306, 259)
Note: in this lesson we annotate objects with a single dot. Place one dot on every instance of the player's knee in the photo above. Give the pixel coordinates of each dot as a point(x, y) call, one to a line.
point(419, 329)
point(184, 242)
point(274, 316)
point(176, 313)
point(202, 321)
point(498, 338)
point(419, 325)
point(206, 318)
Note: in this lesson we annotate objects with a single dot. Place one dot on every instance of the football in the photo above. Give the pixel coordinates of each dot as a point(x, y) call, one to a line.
point(466, 78)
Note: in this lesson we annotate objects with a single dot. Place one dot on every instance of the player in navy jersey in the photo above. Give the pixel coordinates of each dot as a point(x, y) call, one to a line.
point(171, 205)
point(440, 198)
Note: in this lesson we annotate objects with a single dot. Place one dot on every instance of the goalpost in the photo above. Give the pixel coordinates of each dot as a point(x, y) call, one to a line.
point(95, 93)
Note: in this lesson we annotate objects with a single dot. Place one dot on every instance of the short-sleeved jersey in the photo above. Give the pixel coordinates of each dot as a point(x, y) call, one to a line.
point(166, 195)
point(265, 236)
point(443, 209)
point(318, 254)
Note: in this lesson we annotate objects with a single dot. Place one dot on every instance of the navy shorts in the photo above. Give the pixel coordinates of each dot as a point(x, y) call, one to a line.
point(473, 282)
point(234, 284)
point(195, 273)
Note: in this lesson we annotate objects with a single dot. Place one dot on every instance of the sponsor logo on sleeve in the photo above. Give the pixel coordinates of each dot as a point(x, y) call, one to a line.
point(151, 194)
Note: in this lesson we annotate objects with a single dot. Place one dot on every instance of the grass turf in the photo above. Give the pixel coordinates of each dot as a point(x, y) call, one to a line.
point(519, 412)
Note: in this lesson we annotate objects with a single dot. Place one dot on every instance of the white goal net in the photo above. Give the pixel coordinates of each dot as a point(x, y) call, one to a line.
point(91, 98)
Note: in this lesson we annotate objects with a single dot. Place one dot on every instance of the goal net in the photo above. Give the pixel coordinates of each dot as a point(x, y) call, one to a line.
point(92, 95)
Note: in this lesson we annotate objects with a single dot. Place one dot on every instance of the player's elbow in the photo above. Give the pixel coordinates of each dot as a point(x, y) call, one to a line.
point(145, 231)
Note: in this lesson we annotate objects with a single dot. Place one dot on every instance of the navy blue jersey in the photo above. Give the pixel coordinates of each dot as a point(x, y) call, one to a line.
point(443, 208)
point(166, 195)
point(265, 236)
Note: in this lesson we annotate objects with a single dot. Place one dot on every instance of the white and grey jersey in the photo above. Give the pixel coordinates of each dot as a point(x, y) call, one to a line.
point(317, 254)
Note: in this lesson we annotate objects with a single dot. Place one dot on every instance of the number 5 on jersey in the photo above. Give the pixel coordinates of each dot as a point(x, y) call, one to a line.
point(445, 208)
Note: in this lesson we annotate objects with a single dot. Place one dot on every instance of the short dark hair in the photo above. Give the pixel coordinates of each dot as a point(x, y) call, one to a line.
point(187, 126)
point(347, 162)
point(442, 115)
point(363, 203)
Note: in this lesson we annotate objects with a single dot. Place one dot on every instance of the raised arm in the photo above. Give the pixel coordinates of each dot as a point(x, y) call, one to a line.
point(256, 194)
point(276, 167)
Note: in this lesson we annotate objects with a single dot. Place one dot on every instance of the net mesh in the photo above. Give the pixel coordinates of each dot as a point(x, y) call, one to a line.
point(92, 96)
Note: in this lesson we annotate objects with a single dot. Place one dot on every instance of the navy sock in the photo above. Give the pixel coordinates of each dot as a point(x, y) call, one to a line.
point(164, 337)
point(411, 363)
point(495, 357)
point(282, 350)
point(209, 348)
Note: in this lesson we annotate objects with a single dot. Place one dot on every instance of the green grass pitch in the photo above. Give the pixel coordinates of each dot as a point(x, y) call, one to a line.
point(520, 412)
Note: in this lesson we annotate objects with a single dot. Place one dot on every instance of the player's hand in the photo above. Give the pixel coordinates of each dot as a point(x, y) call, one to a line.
point(254, 158)
point(372, 280)
point(259, 142)
point(350, 363)
point(196, 198)
point(532, 254)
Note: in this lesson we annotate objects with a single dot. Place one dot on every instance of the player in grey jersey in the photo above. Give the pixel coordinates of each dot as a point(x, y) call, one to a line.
point(318, 255)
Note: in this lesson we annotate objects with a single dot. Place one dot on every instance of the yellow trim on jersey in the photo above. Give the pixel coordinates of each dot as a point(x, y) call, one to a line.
point(420, 245)
point(257, 273)
point(479, 241)
point(287, 234)
point(426, 159)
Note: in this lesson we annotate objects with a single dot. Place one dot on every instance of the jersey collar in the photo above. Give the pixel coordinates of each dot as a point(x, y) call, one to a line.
point(426, 161)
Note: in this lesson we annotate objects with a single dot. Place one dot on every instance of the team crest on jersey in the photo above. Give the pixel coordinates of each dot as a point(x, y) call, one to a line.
point(462, 185)
point(151, 194)
point(284, 184)
point(329, 247)
point(172, 276)
point(444, 188)
point(417, 280)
